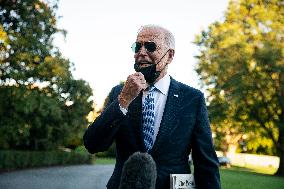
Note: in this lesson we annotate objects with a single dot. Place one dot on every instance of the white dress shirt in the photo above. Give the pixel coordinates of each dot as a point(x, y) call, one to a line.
point(160, 98)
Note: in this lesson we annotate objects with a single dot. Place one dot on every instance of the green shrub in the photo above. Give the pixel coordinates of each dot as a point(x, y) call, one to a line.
point(81, 149)
point(110, 153)
point(27, 159)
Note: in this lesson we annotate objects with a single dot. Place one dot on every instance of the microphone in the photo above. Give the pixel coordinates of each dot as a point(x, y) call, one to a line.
point(139, 172)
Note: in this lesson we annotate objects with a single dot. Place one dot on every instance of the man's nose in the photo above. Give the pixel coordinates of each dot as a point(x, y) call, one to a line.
point(142, 51)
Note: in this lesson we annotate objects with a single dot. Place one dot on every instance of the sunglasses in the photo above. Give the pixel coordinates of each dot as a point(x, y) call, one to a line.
point(149, 46)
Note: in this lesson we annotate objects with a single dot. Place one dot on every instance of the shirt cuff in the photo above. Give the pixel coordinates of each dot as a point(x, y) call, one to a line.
point(123, 110)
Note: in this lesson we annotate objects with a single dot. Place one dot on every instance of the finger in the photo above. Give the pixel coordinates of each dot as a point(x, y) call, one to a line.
point(144, 86)
point(143, 81)
point(139, 74)
point(135, 77)
point(138, 77)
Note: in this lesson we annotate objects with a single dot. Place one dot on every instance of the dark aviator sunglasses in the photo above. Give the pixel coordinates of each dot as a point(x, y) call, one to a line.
point(150, 46)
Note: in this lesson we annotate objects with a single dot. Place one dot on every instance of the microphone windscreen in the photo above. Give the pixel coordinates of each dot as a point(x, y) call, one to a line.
point(139, 172)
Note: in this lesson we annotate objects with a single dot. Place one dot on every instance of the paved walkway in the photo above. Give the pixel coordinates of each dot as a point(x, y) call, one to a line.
point(70, 177)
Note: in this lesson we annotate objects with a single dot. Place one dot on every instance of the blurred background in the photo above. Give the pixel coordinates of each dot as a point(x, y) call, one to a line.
point(59, 60)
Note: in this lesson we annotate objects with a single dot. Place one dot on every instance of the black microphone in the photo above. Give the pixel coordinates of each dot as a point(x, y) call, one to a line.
point(139, 172)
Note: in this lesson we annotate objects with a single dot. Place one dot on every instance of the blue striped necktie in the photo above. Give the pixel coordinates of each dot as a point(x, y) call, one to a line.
point(148, 120)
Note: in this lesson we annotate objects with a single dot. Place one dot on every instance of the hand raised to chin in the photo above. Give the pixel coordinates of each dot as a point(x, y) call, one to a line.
point(134, 84)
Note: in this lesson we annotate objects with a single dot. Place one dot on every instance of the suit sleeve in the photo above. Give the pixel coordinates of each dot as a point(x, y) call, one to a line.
point(206, 166)
point(101, 133)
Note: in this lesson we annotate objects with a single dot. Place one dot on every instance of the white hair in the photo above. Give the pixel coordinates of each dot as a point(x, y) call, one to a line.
point(169, 37)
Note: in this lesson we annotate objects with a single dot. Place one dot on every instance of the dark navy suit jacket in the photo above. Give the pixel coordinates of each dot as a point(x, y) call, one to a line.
point(184, 128)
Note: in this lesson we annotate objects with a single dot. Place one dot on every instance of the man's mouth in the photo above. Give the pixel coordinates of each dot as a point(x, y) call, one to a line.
point(144, 63)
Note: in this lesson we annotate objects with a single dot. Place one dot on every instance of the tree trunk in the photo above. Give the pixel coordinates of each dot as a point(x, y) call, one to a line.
point(280, 150)
point(280, 145)
point(232, 148)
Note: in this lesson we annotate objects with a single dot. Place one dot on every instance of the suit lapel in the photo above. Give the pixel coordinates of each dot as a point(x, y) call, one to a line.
point(135, 117)
point(169, 119)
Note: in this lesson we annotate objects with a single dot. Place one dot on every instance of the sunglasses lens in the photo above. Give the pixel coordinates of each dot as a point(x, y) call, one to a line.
point(136, 47)
point(150, 46)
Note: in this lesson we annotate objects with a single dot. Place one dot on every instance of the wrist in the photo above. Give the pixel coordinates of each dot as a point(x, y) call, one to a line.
point(123, 102)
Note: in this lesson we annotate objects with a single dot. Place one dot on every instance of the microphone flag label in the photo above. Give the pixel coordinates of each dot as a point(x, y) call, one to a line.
point(182, 181)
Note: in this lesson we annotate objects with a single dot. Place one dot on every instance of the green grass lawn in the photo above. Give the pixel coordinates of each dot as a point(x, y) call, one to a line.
point(237, 177)
point(256, 169)
point(240, 179)
point(103, 161)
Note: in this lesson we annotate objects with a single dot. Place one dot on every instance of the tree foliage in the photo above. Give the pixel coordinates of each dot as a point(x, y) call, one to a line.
point(41, 105)
point(241, 64)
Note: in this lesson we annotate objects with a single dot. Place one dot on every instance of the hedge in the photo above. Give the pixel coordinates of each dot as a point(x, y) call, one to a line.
point(110, 153)
point(27, 159)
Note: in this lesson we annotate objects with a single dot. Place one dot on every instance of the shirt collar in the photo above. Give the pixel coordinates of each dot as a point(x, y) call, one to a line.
point(163, 84)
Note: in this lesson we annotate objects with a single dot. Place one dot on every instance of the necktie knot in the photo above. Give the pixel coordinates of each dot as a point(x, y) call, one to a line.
point(151, 88)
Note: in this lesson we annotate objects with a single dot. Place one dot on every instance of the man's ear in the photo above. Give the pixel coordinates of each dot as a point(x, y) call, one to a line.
point(171, 55)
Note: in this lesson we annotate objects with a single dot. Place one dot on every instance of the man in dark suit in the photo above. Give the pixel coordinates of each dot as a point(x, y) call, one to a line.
point(154, 113)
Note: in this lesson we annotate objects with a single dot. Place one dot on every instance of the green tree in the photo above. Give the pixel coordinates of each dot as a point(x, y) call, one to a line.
point(241, 64)
point(41, 105)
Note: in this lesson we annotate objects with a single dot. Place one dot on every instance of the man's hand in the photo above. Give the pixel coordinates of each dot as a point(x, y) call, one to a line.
point(134, 84)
